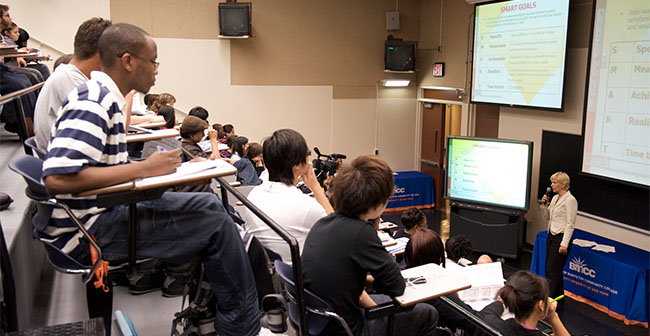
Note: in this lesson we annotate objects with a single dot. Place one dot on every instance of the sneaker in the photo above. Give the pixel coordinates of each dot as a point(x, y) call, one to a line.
point(147, 282)
point(173, 287)
point(274, 313)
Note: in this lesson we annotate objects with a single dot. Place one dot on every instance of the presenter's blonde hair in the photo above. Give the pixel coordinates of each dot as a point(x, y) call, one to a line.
point(563, 178)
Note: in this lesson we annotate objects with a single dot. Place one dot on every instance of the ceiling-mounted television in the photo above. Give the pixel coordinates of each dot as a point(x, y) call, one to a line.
point(399, 55)
point(491, 172)
point(235, 19)
point(519, 53)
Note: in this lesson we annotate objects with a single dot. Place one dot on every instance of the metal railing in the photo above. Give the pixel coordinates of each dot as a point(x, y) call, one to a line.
point(23, 130)
point(291, 240)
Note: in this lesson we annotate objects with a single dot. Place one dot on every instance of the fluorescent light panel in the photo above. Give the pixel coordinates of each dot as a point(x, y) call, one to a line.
point(396, 82)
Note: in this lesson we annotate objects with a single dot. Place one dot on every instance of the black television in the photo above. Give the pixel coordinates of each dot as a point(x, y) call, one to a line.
point(493, 173)
point(235, 19)
point(399, 55)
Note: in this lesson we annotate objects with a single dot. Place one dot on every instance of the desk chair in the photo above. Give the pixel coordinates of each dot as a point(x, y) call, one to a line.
point(99, 302)
point(319, 312)
point(31, 143)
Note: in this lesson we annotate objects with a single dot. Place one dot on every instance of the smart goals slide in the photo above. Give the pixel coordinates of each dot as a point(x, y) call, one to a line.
point(519, 53)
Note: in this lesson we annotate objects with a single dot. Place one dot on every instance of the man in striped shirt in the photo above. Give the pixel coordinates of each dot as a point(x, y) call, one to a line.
point(88, 151)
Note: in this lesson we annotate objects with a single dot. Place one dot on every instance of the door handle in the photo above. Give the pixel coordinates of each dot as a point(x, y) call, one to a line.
point(430, 163)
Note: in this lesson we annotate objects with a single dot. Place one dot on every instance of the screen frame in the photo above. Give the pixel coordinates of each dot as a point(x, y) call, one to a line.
point(529, 173)
point(584, 109)
point(237, 5)
point(534, 107)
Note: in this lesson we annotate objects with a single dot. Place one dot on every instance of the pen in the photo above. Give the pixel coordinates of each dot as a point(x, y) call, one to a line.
point(558, 298)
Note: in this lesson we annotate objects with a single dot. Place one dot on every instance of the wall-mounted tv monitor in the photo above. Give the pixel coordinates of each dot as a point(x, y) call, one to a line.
point(399, 55)
point(616, 125)
point(519, 53)
point(235, 19)
point(491, 172)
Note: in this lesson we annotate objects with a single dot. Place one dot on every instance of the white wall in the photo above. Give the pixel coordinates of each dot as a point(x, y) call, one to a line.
point(55, 22)
point(526, 124)
point(345, 126)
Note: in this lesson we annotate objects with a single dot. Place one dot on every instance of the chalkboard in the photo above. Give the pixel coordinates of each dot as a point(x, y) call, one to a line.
point(620, 202)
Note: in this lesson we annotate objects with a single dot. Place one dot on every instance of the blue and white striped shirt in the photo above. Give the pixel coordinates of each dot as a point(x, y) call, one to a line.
point(89, 131)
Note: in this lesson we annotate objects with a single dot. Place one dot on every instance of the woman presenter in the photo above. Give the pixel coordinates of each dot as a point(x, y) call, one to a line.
point(561, 215)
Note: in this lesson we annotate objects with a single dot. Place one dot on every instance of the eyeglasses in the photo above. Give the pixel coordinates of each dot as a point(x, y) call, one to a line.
point(415, 281)
point(155, 64)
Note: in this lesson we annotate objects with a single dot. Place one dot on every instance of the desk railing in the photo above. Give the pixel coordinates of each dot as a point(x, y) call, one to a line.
point(292, 241)
point(475, 320)
point(23, 130)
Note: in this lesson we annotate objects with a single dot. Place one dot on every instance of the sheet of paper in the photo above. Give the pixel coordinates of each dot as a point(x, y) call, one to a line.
point(439, 281)
point(188, 168)
point(604, 248)
point(584, 243)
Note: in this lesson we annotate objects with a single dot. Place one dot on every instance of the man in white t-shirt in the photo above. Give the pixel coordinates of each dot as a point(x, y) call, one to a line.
point(67, 77)
point(286, 156)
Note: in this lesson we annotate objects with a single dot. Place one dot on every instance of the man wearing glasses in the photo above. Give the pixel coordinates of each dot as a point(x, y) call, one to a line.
point(88, 150)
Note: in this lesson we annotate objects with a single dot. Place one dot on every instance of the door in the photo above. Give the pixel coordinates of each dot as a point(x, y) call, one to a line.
point(432, 149)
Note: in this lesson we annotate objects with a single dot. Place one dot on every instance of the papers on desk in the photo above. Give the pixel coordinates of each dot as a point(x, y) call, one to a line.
point(387, 225)
point(439, 281)
point(206, 147)
point(486, 280)
point(398, 247)
point(594, 246)
point(187, 169)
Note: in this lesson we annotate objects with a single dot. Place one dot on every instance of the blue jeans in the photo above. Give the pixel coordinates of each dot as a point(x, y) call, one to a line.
point(179, 227)
point(421, 321)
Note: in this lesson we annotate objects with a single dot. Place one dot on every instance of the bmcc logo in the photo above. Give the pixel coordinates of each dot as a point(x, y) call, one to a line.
point(580, 266)
point(398, 190)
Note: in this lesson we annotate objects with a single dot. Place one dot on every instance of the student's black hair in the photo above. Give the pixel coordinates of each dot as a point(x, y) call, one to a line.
point(169, 114)
point(283, 150)
point(412, 217)
point(199, 112)
point(522, 293)
point(458, 247)
point(238, 148)
point(119, 39)
point(228, 128)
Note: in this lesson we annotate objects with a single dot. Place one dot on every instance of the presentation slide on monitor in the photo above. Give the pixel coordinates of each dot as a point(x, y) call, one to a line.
point(617, 124)
point(488, 172)
point(519, 53)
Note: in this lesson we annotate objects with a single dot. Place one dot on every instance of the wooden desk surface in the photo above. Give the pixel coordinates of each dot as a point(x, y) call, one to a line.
point(154, 135)
point(199, 171)
point(439, 281)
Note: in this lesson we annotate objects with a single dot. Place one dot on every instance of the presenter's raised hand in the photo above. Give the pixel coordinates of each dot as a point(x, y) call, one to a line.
point(162, 162)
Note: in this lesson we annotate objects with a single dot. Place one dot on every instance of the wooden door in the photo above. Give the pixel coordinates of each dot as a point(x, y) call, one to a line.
point(432, 149)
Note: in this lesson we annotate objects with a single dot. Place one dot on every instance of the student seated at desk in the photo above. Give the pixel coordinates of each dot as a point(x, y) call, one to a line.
point(526, 296)
point(413, 219)
point(192, 130)
point(424, 247)
point(88, 151)
point(459, 250)
point(343, 247)
point(246, 173)
point(287, 157)
point(254, 153)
